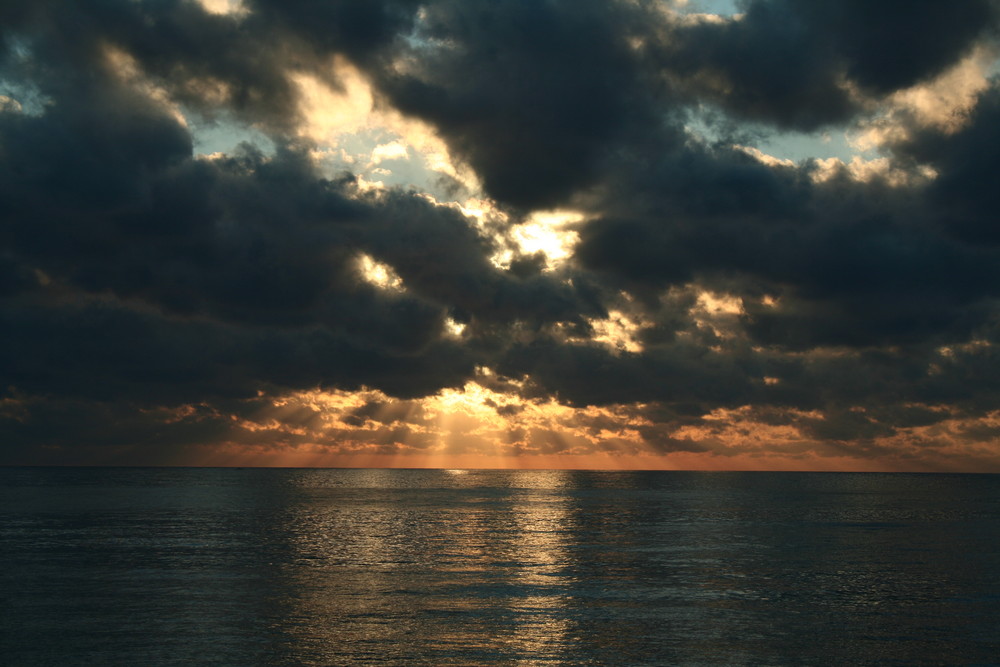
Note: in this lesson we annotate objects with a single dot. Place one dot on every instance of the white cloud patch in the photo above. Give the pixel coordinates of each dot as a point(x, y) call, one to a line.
point(395, 150)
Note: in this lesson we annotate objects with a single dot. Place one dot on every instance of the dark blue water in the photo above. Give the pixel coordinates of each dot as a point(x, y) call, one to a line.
point(340, 567)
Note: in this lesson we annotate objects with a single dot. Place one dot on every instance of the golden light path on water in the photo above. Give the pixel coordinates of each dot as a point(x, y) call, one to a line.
point(526, 548)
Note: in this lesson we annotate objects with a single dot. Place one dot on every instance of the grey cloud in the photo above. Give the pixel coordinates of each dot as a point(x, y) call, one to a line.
point(530, 94)
point(786, 63)
point(134, 274)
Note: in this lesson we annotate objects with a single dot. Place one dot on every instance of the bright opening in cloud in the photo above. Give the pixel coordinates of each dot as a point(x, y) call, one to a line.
point(223, 6)
point(345, 117)
point(548, 232)
point(379, 274)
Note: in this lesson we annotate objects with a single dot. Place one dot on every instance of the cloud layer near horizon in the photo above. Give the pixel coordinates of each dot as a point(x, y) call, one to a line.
point(157, 301)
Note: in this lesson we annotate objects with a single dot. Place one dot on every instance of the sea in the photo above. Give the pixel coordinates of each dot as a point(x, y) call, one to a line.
point(229, 566)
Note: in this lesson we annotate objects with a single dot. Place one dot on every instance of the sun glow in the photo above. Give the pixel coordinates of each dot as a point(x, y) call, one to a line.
point(550, 233)
point(224, 6)
point(485, 423)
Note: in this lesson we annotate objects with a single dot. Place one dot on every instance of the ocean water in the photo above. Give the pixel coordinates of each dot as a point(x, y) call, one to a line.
point(174, 566)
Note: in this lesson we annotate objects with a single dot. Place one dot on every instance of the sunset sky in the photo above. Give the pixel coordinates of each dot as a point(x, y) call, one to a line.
point(516, 233)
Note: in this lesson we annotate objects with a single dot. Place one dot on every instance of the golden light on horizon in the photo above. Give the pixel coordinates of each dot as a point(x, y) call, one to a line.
point(473, 425)
point(476, 426)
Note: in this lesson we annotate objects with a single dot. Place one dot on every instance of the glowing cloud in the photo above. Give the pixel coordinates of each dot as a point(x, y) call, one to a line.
point(379, 274)
point(550, 233)
point(346, 117)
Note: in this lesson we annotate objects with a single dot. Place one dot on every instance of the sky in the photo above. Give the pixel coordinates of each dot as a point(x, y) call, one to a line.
point(751, 235)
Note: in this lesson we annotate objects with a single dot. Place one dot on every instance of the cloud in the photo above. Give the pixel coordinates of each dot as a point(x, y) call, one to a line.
point(571, 269)
point(529, 94)
point(809, 65)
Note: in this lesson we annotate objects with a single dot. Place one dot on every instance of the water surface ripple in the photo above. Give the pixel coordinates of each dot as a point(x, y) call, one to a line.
point(173, 566)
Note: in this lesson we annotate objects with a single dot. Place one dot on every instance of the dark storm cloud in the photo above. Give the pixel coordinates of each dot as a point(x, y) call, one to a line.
point(229, 63)
point(213, 277)
point(853, 263)
point(359, 29)
point(76, 432)
point(137, 279)
point(593, 375)
point(787, 62)
point(965, 192)
point(530, 94)
point(113, 352)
